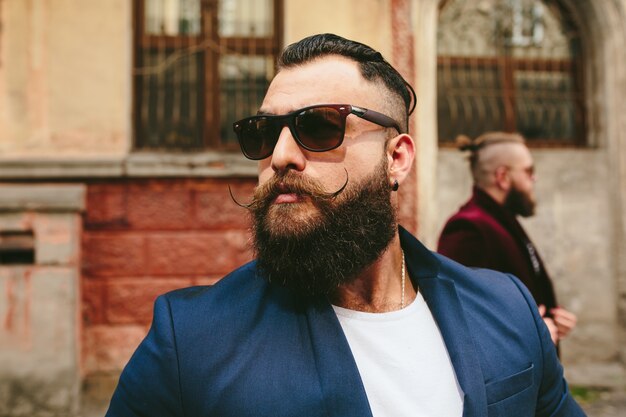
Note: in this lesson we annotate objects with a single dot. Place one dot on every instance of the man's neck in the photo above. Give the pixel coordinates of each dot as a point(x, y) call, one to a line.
point(378, 288)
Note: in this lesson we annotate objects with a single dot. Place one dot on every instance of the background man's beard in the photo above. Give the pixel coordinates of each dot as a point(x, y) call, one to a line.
point(520, 203)
point(316, 255)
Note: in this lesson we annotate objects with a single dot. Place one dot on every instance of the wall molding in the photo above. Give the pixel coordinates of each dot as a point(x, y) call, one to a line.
point(134, 165)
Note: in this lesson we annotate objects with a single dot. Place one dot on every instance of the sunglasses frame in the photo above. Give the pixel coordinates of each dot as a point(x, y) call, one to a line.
point(289, 120)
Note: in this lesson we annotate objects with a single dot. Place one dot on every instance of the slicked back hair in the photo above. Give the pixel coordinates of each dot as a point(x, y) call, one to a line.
point(371, 63)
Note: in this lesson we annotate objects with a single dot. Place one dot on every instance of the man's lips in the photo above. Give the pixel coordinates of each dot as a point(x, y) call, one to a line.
point(286, 195)
point(286, 198)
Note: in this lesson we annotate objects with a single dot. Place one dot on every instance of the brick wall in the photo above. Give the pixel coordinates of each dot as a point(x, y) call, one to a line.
point(142, 238)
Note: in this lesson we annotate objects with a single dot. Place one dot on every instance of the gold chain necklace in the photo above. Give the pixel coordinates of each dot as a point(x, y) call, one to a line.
point(403, 280)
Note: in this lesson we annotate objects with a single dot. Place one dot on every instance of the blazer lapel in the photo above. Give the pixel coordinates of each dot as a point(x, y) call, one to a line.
point(443, 301)
point(340, 381)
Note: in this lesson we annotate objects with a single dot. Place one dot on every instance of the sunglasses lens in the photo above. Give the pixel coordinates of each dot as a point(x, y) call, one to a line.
point(316, 129)
point(258, 136)
point(320, 128)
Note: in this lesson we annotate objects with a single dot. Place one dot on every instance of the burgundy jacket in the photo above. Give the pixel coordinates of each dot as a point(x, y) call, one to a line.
point(485, 234)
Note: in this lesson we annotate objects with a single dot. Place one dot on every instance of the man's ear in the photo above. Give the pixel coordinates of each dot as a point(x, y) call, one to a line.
point(400, 154)
point(502, 178)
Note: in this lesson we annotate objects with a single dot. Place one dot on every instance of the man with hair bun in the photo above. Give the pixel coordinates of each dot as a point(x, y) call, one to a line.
point(485, 232)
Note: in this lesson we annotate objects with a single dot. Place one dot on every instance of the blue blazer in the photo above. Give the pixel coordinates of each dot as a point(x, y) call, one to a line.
point(243, 348)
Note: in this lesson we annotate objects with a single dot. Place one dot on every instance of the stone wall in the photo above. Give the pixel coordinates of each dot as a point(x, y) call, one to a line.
point(39, 299)
point(146, 237)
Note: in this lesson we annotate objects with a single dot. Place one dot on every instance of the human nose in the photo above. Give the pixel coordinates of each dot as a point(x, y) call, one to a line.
point(287, 153)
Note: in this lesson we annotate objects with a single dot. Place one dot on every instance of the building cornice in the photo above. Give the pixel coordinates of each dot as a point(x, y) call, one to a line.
point(135, 165)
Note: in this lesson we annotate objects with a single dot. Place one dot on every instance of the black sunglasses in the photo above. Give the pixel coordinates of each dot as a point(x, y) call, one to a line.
point(317, 128)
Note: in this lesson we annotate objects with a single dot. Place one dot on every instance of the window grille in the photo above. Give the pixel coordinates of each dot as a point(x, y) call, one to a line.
point(509, 65)
point(199, 66)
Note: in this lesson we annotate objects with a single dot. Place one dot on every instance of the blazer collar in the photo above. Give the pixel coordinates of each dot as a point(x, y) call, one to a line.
point(443, 301)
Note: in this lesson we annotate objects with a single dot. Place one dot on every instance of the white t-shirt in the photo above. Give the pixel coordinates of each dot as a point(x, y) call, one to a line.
point(403, 362)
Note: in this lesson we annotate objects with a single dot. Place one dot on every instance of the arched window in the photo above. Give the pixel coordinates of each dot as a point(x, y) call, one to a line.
point(509, 65)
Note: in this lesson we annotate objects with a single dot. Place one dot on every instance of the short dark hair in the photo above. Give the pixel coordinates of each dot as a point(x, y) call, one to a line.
point(371, 63)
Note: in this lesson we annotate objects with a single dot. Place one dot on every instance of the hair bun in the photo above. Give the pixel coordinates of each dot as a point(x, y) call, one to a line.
point(464, 143)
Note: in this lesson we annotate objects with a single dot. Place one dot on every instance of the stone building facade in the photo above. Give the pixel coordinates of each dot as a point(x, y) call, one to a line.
point(104, 227)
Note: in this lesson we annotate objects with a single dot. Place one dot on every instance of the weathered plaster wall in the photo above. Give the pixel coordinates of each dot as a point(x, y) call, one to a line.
point(369, 21)
point(67, 88)
point(39, 302)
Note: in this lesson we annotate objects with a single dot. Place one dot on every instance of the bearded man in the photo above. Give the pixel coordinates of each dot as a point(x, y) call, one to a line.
point(485, 232)
point(343, 313)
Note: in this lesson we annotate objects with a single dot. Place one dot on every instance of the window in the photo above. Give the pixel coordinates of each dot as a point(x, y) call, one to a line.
point(510, 65)
point(199, 66)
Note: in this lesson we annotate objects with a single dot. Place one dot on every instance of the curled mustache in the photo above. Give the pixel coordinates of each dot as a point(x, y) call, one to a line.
point(288, 184)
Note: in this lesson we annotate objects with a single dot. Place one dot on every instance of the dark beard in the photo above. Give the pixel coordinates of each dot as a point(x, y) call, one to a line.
point(520, 203)
point(317, 255)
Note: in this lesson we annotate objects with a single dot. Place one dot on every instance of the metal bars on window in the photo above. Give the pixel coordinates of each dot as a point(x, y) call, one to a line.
point(199, 66)
point(510, 65)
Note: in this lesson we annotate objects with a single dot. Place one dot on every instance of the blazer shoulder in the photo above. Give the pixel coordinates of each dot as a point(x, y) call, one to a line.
point(243, 280)
point(481, 283)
